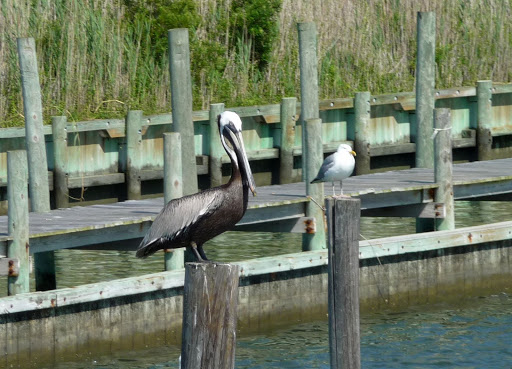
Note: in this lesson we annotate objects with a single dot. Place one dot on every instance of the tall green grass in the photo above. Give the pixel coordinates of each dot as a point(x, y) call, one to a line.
point(97, 59)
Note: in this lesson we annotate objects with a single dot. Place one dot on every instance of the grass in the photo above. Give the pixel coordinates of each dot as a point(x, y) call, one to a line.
point(94, 63)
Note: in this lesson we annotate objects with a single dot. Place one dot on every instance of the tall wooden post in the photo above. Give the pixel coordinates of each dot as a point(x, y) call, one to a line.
point(443, 167)
point(362, 120)
point(181, 100)
point(313, 148)
point(60, 160)
point(36, 153)
point(173, 189)
point(484, 117)
point(343, 278)
point(133, 153)
point(288, 119)
point(210, 300)
point(216, 149)
point(308, 81)
point(17, 195)
point(425, 84)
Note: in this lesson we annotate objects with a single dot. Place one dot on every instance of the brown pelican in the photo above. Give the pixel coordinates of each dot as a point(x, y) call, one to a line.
point(337, 167)
point(192, 220)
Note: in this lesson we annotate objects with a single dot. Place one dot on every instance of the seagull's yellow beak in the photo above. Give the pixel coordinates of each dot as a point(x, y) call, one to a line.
point(353, 153)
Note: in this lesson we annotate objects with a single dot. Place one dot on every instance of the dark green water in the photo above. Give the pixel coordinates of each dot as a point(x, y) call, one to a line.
point(473, 333)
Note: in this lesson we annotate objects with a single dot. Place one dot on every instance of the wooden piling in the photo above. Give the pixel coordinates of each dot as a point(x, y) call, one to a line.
point(216, 149)
point(210, 300)
point(60, 158)
point(17, 195)
point(425, 84)
point(181, 100)
point(443, 167)
point(362, 131)
point(133, 154)
point(288, 119)
point(343, 216)
point(173, 189)
point(484, 118)
point(308, 80)
point(39, 191)
point(315, 158)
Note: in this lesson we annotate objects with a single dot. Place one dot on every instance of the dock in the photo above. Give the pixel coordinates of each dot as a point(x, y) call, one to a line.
point(275, 208)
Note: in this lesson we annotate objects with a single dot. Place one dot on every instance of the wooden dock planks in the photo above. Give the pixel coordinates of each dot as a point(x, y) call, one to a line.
point(129, 220)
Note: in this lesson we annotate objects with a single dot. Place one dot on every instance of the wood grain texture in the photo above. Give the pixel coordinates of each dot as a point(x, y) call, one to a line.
point(210, 301)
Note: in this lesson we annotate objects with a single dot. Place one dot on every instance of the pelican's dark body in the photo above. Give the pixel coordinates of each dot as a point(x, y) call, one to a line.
point(192, 220)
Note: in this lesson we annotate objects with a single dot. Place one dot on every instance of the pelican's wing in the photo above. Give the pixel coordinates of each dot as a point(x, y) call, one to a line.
point(176, 217)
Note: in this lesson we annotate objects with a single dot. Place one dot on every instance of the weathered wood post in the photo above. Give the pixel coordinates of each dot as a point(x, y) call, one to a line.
point(181, 100)
point(484, 118)
point(343, 278)
point(210, 301)
point(216, 149)
point(443, 167)
point(288, 119)
point(17, 196)
point(308, 81)
point(39, 191)
point(425, 84)
point(133, 153)
point(362, 120)
point(315, 158)
point(173, 189)
point(60, 161)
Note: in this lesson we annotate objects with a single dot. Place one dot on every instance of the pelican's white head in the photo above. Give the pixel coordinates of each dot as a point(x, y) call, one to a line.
point(230, 118)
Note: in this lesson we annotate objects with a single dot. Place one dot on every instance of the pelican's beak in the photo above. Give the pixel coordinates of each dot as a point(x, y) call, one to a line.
point(244, 165)
point(353, 153)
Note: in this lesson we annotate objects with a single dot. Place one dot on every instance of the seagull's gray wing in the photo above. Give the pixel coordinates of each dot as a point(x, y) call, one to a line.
point(326, 165)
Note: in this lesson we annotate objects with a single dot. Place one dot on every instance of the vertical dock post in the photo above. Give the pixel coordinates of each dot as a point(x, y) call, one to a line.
point(133, 153)
point(308, 81)
point(216, 150)
point(173, 189)
point(181, 100)
point(315, 158)
point(60, 171)
point(443, 167)
point(210, 300)
point(362, 120)
point(17, 195)
point(288, 111)
point(36, 154)
point(343, 277)
point(484, 117)
point(425, 84)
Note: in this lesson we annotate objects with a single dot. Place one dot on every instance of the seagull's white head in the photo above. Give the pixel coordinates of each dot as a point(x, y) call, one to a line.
point(345, 147)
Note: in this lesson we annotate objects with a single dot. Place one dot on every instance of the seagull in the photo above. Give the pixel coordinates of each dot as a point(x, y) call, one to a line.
point(337, 167)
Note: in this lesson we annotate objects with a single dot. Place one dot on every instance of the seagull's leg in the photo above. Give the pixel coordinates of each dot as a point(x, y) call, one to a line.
point(333, 193)
point(341, 189)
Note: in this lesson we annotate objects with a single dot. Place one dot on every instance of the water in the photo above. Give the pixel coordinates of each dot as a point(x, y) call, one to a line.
point(474, 333)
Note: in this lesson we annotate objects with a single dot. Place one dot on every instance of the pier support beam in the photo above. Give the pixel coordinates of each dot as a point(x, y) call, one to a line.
point(173, 189)
point(216, 149)
point(315, 156)
point(343, 277)
point(484, 118)
point(60, 165)
point(181, 100)
point(425, 84)
point(443, 167)
point(17, 195)
point(133, 153)
point(288, 119)
point(210, 302)
point(39, 191)
point(308, 81)
point(362, 120)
